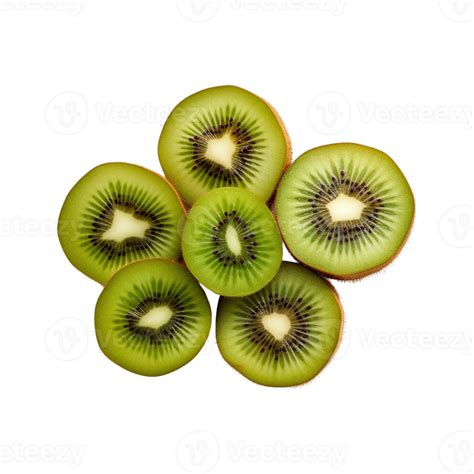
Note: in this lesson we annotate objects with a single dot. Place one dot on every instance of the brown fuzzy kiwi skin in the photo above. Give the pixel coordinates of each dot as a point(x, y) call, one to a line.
point(180, 201)
point(357, 275)
point(289, 147)
point(341, 332)
point(289, 153)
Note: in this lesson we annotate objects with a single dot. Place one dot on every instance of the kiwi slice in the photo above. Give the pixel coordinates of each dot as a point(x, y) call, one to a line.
point(231, 242)
point(220, 137)
point(152, 317)
point(118, 213)
point(344, 209)
point(284, 334)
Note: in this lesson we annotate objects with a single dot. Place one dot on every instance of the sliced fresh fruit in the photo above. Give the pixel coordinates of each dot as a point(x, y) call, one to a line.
point(220, 137)
point(284, 334)
point(116, 214)
point(152, 317)
point(344, 209)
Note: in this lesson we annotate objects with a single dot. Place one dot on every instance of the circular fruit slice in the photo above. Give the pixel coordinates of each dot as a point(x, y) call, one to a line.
point(223, 136)
point(231, 242)
point(284, 334)
point(344, 209)
point(152, 317)
point(119, 213)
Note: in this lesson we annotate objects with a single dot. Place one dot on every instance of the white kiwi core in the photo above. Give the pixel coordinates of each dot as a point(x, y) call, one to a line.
point(232, 240)
point(156, 317)
point(221, 150)
point(277, 324)
point(345, 208)
point(125, 226)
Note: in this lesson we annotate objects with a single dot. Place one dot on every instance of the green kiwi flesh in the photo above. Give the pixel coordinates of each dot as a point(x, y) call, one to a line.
point(220, 137)
point(231, 242)
point(152, 317)
point(116, 214)
point(344, 209)
point(284, 334)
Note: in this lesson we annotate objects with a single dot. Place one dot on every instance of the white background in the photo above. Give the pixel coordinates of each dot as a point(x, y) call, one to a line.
point(85, 82)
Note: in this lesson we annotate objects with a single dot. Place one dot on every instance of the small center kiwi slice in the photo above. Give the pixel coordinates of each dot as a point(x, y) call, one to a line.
point(231, 242)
